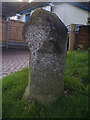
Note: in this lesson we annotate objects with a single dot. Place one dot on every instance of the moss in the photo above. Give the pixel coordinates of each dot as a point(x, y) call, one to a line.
point(44, 18)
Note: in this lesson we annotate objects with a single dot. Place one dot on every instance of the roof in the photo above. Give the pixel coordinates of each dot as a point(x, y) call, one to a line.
point(9, 7)
point(85, 4)
point(82, 5)
point(28, 6)
point(31, 5)
point(34, 5)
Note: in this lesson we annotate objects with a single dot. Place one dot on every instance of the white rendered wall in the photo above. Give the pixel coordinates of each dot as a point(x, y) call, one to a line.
point(23, 18)
point(70, 14)
point(13, 18)
point(48, 8)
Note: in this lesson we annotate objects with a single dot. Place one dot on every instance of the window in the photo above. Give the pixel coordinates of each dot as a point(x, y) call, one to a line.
point(18, 17)
point(52, 9)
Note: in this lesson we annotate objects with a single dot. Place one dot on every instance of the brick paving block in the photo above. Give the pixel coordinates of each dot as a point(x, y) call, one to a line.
point(5, 73)
point(14, 60)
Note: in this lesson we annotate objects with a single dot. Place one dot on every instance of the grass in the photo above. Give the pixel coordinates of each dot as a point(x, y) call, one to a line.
point(74, 103)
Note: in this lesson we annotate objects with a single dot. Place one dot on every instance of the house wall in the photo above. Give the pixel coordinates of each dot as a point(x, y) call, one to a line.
point(13, 17)
point(48, 8)
point(70, 14)
point(22, 18)
point(15, 31)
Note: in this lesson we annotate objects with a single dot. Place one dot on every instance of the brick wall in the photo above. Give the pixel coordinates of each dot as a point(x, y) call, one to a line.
point(15, 31)
point(83, 37)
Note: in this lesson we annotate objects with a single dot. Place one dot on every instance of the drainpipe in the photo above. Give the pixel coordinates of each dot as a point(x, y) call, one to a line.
point(8, 33)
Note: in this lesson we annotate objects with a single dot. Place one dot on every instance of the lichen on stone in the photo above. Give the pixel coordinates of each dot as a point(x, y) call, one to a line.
point(46, 36)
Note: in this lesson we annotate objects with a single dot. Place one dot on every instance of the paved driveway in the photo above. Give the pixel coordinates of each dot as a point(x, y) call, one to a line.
point(14, 60)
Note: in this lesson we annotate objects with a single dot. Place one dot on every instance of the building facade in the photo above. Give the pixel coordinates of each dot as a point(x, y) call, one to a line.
point(69, 13)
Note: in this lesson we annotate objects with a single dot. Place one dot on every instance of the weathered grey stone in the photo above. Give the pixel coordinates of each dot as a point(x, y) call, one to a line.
point(46, 36)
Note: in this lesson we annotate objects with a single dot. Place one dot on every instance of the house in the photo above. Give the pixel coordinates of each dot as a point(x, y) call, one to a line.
point(25, 12)
point(12, 26)
point(68, 12)
point(9, 7)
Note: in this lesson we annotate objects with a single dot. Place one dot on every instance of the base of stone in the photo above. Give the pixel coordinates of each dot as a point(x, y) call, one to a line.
point(44, 98)
point(26, 93)
point(41, 98)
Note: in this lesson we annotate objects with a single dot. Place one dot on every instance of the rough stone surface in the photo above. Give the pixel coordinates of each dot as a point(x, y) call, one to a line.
point(47, 40)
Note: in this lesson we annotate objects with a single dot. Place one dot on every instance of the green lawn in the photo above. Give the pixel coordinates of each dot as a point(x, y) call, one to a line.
point(74, 103)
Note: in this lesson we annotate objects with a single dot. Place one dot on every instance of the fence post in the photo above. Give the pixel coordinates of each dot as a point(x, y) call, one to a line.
point(72, 37)
point(8, 32)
